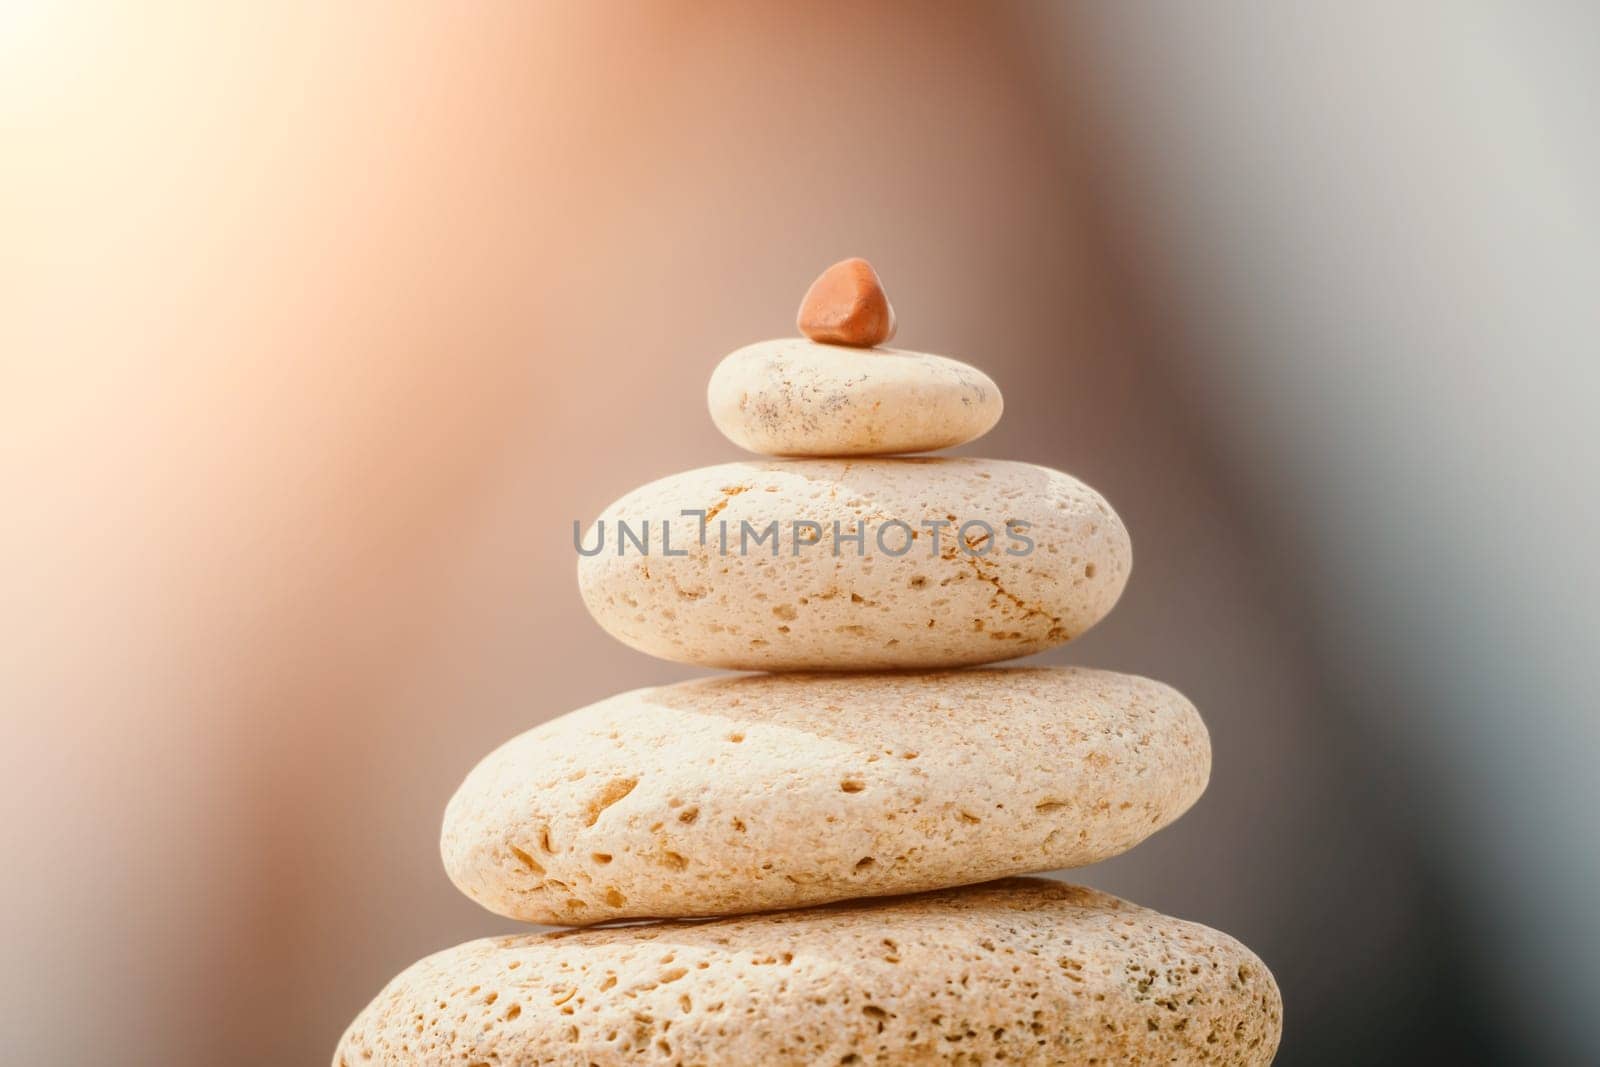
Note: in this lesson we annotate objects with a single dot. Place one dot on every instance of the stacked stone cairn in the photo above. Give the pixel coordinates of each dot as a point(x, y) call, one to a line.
point(846, 832)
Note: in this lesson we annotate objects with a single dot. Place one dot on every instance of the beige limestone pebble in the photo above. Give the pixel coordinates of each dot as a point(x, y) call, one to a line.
point(793, 397)
point(1025, 972)
point(791, 603)
point(745, 793)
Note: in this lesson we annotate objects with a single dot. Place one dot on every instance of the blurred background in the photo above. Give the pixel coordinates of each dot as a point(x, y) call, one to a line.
point(320, 324)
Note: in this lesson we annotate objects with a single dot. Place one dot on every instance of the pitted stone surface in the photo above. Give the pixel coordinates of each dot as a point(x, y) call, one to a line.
point(747, 793)
point(1016, 559)
point(1026, 971)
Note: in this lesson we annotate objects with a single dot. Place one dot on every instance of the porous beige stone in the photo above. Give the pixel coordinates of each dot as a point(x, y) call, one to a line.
point(1026, 972)
point(793, 397)
point(807, 598)
point(746, 793)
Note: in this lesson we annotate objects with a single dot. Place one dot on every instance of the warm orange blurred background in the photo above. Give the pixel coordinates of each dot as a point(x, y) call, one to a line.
point(320, 324)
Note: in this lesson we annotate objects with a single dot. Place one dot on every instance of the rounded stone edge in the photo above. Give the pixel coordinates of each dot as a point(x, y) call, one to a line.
point(734, 430)
point(489, 860)
point(1245, 1027)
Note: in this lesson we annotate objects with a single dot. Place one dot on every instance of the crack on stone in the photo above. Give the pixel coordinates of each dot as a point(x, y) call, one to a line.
point(1028, 611)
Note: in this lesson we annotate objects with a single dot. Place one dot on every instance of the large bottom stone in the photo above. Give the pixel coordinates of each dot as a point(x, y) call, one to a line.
point(1024, 971)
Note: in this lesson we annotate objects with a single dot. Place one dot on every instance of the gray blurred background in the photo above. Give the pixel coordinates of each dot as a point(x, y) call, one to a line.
point(319, 326)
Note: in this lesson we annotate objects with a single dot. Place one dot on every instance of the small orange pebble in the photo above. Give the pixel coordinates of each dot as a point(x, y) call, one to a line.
point(846, 305)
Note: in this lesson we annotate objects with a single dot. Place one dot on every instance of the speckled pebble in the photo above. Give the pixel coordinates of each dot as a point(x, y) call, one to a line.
point(793, 397)
point(735, 794)
point(1027, 972)
point(1055, 564)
